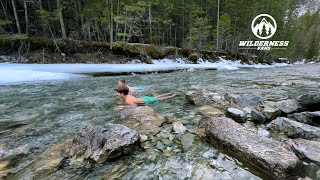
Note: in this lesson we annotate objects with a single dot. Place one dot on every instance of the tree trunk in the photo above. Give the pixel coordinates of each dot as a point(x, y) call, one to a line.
point(111, 25)
point(16, 16)
point(150, 28)
point(118, 12)
point(63, 29)
point(26, 16)
point(40, 4)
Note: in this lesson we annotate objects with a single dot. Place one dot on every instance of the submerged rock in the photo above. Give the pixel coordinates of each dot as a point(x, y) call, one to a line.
point(311, 118)
point(209, 111)
point(142, 119)
point(294, 129)
point(141, 114)
point(260, 151)
point(249, 100)
point(203, 97)
point(179, 128)
point(310, 102)
point(100, 144)
point(186, 141)
point(237, 114)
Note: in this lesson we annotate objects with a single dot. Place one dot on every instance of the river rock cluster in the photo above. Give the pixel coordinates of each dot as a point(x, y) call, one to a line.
point(282, 138)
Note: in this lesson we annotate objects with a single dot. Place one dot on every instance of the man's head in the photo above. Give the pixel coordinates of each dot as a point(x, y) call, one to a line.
point(121, 82)
point(122, 91)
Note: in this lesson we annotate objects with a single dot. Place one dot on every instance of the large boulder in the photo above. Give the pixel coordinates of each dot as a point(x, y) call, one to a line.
point(310, 102)
point(102, 143)
point(306, 149)
point(311, 118)
point(142, 119)
point(294, 129)
point(265, 153)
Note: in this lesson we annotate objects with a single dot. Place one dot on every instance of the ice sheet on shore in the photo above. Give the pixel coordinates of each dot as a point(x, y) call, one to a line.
point(16, 73)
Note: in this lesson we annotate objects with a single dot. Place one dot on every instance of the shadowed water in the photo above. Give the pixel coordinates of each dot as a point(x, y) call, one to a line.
point(33, 117)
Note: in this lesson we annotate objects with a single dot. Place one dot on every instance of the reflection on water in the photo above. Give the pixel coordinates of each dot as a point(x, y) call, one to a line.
point(33, 117)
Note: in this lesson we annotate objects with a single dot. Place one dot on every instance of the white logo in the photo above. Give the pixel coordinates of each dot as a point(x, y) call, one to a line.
point(264, 29)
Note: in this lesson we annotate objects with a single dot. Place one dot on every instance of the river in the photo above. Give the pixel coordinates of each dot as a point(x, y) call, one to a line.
point(37, 115)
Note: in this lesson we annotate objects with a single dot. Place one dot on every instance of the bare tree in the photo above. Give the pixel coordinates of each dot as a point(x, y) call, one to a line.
point(26, 16)
point(16, 16)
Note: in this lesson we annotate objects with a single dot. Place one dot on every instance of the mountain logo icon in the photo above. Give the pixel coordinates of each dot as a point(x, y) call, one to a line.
point(264, 26)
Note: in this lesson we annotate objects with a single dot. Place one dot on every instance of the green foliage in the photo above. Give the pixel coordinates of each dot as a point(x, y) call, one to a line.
point(181, 23)
point(4, 22)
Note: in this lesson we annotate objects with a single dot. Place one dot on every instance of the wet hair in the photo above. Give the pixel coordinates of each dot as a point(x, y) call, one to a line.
point(123, 81)
point(123, 90)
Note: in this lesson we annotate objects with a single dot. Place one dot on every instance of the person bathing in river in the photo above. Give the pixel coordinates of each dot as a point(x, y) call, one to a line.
point(123, 93)
point(122, 82)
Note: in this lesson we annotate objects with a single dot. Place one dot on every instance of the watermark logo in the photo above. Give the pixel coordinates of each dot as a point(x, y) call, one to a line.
point(264, 29)
point(263, 26)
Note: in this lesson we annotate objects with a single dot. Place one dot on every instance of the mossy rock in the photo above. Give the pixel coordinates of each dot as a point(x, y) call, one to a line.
point(185, 52)
point(193, 57)
point(146, 59)
point(154, 52)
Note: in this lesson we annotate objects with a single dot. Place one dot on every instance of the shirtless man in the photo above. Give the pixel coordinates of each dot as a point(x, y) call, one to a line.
point(123, 93)
point(122, 82)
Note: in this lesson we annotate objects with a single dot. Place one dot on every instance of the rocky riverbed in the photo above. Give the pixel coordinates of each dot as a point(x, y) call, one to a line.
point(243, 124)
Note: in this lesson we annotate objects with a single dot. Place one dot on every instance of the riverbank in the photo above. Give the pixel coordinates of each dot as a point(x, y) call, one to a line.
point(51, 51)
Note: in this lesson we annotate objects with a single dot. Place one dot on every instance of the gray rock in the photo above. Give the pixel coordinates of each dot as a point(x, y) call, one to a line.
point(287, 106)
point(237, 114)
point(257, 117)
point(270, 111)
point(160, 146)
point(306, 149)
point(179, 128)
point(141, 114)
point(310, 102)
point(263, 132)
point(209, 111)
point(265, 153)
point(311, 118)
point(142, 119)
point(203, 97)
point(100, 144)
point(186, 141)
point(248, 100)
point(294, 129)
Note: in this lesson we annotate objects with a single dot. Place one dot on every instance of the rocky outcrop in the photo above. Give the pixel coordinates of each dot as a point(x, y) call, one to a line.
point(270, 111)
point(102, 143)
point(260, 151)
point(294, 129)
point(311, 118)
point(310, 102)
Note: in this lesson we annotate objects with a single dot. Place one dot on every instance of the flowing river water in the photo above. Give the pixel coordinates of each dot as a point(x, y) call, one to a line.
point(36, 116)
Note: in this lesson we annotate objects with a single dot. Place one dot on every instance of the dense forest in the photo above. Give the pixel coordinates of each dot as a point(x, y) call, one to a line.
point(197, 24)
